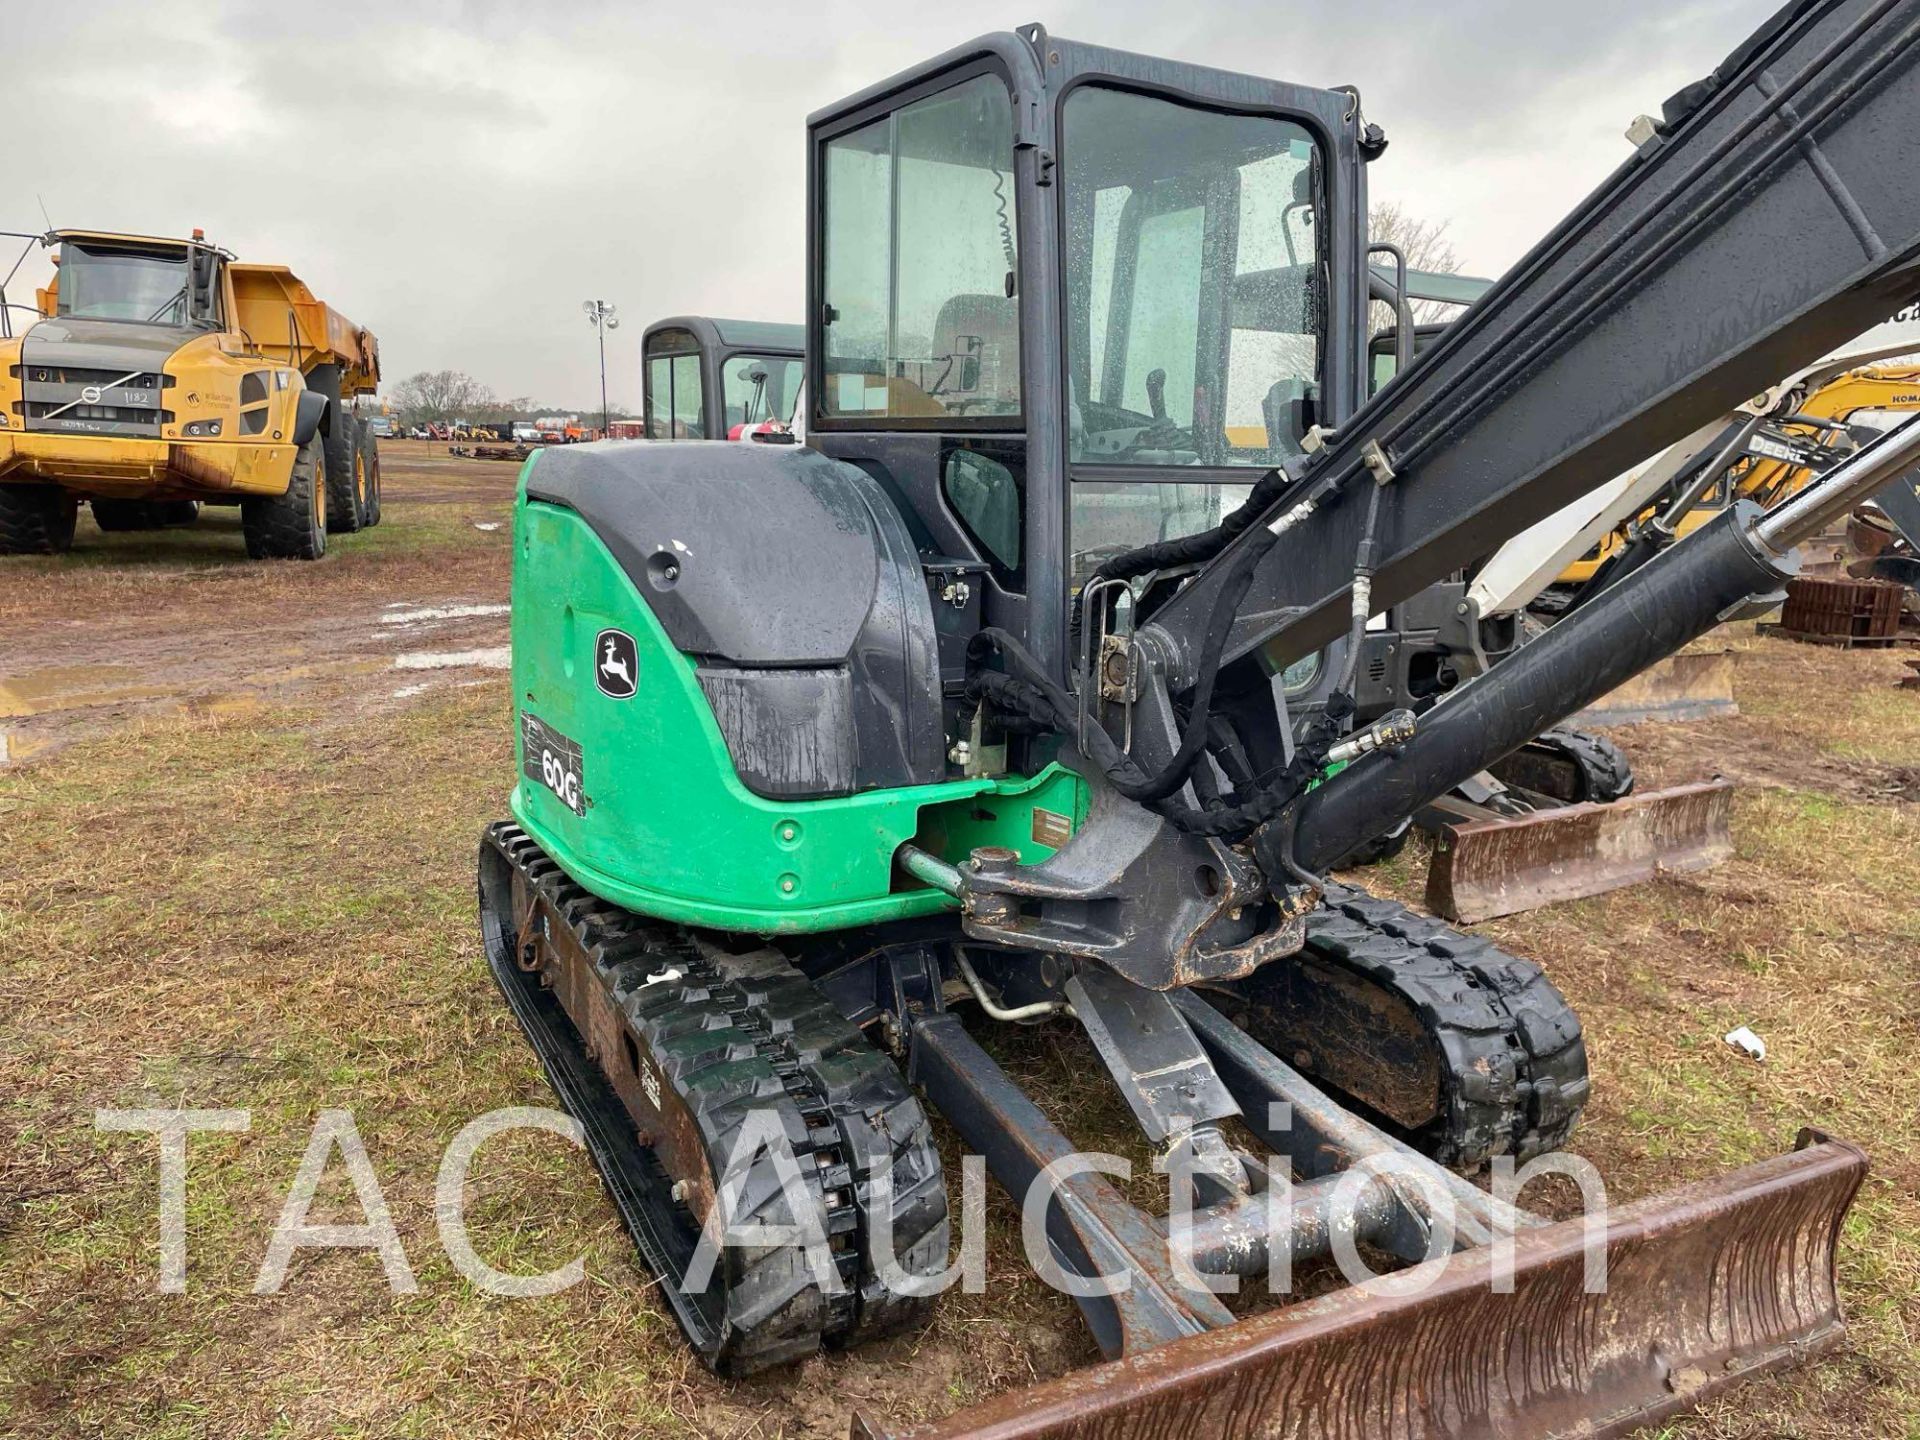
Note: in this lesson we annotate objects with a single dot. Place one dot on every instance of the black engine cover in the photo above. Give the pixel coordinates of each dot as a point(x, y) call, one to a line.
point(793, 582)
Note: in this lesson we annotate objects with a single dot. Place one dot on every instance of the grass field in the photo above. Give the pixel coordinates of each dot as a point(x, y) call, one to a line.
point(270, 908)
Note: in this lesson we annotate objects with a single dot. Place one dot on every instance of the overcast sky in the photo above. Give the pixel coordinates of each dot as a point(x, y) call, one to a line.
point(460, 177)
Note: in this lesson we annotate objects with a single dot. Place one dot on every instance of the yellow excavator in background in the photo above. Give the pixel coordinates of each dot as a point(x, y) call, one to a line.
point(1805, 426)
point(160, 375)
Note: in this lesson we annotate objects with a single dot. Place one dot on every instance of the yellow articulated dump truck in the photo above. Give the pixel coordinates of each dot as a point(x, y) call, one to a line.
point(163, 375)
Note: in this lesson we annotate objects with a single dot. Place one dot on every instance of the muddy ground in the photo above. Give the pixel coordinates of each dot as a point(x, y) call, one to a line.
point(131, 626)
point(239, 814)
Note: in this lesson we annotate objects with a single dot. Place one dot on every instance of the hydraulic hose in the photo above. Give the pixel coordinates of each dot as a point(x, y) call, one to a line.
point(1645, 616)
point(1362, 606)
point(1125, 775)
point(1676, 597)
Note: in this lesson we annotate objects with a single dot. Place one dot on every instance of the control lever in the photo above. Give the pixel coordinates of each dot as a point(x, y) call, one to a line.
point(1157, 393)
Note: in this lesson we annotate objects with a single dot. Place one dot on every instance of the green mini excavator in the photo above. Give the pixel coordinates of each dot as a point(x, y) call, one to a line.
point(974, 711)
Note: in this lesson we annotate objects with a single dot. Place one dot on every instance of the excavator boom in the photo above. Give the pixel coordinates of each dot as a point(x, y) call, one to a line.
point(1756, 228)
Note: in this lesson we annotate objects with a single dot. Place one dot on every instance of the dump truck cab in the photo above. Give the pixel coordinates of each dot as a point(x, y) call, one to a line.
point(163, 374)
point(129, 347)
point(704, 378)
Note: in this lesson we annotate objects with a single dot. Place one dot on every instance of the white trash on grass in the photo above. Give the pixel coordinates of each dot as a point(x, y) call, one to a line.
point(1747, 1043)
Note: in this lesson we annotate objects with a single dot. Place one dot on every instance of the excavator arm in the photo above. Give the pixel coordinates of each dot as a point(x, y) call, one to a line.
point(1755, 228)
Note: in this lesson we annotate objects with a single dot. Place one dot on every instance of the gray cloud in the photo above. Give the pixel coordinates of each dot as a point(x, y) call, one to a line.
point(460, 176)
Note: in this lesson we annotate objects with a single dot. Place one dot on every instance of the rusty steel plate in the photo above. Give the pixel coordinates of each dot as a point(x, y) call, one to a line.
point(1693, 685)
point(1707, 1285)
point(1484, 867)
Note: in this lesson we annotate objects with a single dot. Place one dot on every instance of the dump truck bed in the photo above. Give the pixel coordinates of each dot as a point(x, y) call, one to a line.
point(288, 321)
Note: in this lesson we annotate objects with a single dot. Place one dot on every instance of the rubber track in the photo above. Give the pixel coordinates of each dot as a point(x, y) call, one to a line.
point(1605, 772)
point(1511, 1046)
point(731, 1034)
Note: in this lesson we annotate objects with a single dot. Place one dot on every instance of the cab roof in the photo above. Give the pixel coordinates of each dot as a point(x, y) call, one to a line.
point(714, 332)
point(117, 237)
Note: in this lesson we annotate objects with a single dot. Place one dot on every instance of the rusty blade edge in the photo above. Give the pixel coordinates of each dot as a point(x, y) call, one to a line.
point(1691, 685)
point(1486, 868)
point(1163, 1392)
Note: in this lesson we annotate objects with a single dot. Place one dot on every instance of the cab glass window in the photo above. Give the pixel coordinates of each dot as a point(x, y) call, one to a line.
point(756, 388)
point(672, 398)
point(989, 498)
point(1193, 281)
point(920, 259)
point(109, 283)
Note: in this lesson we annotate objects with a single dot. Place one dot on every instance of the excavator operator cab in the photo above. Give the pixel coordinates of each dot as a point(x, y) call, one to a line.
point(1065, 301)
point(709, 379)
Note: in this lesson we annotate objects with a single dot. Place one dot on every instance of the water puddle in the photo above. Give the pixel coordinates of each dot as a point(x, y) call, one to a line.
point(404, 616)
point(489, 657)
point(72, 687)
point(63, 723)
point(17, 749)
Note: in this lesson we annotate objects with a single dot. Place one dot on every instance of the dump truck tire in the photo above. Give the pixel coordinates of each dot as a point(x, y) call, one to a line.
point(346, 477)
point(344, 511)
point(36, 519)
point(290, 526)
point(370, 447)
point(174, 513)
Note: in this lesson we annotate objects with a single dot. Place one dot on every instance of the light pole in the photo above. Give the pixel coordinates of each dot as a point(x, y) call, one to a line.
point(601, 316)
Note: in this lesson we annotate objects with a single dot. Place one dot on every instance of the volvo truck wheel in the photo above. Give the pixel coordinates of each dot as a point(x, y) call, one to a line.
point(291, 525)
point(346, 477)
point(370, 447)
point(344, 514)
point(36, 519)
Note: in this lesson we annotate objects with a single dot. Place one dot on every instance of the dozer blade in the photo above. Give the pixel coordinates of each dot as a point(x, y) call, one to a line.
point(1705, 1286)
point(1486, 866)
point(1693, 685)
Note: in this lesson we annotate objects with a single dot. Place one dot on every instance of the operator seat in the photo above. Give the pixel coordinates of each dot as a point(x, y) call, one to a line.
point(980, 334)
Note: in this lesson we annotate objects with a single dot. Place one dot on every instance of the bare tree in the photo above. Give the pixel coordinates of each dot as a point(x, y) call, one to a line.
point(441, 395)
point(1424, 243)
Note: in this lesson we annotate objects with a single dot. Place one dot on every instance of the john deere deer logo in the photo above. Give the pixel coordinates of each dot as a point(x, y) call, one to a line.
point(617, 663)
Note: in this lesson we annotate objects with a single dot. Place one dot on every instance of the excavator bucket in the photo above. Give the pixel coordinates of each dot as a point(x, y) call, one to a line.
point(1705, 1286)
point(1485, 865)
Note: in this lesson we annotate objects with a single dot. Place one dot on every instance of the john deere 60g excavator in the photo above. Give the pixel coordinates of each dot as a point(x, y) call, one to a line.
point(161, 375)
point(971, 712)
